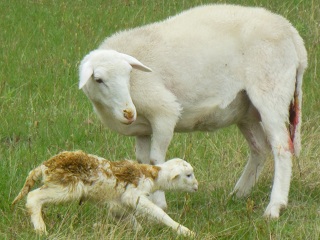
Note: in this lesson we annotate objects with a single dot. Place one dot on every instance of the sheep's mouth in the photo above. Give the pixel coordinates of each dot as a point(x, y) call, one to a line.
point(128, 122)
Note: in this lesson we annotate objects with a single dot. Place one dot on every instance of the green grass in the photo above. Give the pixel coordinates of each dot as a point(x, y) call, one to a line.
point(42, 112)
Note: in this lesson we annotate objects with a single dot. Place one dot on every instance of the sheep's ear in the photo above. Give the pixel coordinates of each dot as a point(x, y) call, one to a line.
point(86, 72)
point(135, 63)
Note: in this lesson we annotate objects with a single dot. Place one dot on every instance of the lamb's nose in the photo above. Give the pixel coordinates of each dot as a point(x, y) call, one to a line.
point(196, 186)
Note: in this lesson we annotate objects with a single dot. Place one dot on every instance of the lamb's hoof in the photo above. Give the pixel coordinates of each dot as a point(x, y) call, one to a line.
point(41, 232)
point(191, 234)
point(186, 232)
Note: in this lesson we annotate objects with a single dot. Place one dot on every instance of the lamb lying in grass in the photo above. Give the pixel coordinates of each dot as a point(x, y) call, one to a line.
point(124, 185)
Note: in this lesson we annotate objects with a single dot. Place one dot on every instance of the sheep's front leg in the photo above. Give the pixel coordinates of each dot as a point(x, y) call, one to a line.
point(159, 145)
point(143, 149)
point(162, 133)
point(143, 145)
point(144, 207)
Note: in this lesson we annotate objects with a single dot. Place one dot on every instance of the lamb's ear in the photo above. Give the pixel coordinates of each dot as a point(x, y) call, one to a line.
point(86, 72)
point(135, 63)
point(174, 174)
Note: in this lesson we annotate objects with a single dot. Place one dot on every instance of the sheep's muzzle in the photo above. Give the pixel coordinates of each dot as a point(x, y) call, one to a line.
point(129, 115)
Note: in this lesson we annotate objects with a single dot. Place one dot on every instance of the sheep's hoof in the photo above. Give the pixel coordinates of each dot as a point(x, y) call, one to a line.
point(240, 193)
point(271, 214)
point(273, 210)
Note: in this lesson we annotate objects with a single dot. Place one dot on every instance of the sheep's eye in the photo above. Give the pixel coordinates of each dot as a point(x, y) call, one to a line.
point(99, 80)
point(189, 175)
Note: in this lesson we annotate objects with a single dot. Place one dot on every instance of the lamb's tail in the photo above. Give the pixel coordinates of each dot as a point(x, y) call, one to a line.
point(33, 176)
point(295, 106)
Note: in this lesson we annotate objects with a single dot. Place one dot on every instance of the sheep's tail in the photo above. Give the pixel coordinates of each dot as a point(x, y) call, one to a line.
point(295, 120)
point(296, 103)
point(295, 114)
point(33, 176)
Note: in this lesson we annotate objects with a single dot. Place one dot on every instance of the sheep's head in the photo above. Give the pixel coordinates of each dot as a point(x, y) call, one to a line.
point(104, 78)
point(180, 175)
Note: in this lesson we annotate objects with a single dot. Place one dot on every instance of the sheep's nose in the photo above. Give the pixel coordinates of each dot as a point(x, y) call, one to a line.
point(128, 114)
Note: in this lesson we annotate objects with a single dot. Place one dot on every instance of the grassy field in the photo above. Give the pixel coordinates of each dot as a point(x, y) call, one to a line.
point(42, 112)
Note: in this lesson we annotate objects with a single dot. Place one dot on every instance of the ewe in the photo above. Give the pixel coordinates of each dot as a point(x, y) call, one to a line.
point(125, 185)
point(212, 66)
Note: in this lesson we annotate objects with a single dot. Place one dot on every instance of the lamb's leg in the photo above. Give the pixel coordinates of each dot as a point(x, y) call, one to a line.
point(34, 205)
point(159, 199)
point(118, 212)
point(145, 207)
point(259, 148)
point(40, 196)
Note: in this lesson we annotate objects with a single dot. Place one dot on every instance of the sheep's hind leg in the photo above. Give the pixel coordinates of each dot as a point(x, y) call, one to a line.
point(281, 149)
point(259, 149)
point(273, 115)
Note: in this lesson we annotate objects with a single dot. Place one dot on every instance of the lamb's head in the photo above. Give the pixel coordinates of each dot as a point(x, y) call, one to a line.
point(178, 174)
point(105, 79)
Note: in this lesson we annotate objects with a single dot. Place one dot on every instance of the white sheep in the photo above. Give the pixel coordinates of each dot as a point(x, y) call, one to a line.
point(212, 66)
point(124, 185)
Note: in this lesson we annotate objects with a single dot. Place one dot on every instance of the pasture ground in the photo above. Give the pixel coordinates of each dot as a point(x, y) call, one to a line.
point(42, 112)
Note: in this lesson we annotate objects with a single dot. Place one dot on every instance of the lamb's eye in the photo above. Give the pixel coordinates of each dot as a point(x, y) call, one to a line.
point(189, 175)
point(99, 80)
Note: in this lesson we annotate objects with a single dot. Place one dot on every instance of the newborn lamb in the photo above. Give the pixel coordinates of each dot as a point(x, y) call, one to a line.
point(124, 185)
